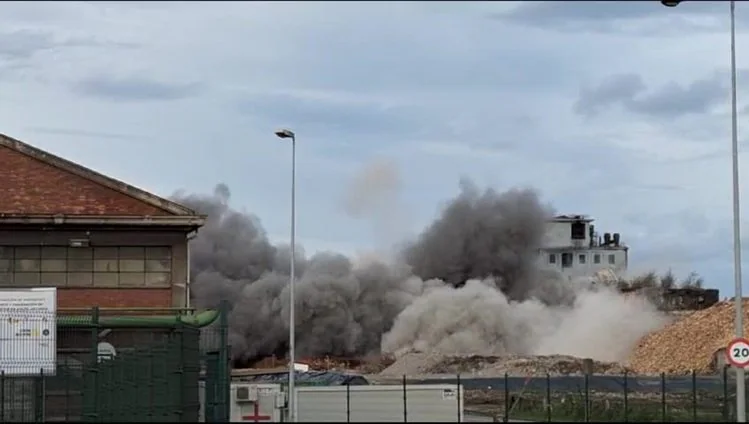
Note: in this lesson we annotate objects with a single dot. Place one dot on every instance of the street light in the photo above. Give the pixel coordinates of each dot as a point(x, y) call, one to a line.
point(285, 133)
point(738, 298)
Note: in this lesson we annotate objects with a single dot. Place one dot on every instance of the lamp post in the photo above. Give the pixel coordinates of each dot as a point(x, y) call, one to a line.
point(286, 134)
point(738, 297)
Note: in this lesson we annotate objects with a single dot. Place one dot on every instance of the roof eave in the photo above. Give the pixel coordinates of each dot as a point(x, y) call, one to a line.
point(193, 221)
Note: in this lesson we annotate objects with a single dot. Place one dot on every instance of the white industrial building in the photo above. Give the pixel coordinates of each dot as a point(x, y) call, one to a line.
point(574, 248)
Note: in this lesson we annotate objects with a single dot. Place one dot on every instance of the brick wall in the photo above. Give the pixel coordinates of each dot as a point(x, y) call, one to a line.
point(30, 186)
point(114, 298)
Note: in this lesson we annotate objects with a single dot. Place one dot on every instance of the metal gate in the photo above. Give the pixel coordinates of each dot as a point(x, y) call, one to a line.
point(150, 384)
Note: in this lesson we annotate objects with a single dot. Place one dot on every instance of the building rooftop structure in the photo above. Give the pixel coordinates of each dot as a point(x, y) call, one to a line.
point(573, 248)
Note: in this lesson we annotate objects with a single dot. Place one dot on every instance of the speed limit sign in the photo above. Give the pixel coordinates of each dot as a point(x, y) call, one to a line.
point(738, 352)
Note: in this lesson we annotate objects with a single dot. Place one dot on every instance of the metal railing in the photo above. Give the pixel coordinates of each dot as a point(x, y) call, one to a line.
point(593, 398)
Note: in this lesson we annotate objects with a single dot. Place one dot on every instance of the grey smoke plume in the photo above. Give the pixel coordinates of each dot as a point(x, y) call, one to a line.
point(347, 309)
point(482, 235)
point(342, 310)
point(599, 323)
point(372, 191)
point(374, 195)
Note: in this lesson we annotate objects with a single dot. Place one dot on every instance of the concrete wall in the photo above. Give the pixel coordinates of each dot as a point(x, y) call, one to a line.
point(586, 267)
point(172, 295)
point(558, 234)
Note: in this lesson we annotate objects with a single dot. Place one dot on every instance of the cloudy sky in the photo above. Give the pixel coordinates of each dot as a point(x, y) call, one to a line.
point(619, 110)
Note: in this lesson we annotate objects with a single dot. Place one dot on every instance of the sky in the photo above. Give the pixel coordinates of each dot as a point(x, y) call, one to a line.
point(617, 110)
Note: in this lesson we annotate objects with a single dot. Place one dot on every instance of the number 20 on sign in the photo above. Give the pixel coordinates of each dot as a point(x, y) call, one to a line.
point(738, 353)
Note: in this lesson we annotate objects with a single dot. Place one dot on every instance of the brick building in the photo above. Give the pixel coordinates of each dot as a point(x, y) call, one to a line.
point(100, 241)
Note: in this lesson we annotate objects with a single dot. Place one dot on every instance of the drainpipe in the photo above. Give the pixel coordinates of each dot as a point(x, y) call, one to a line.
point(191, 235)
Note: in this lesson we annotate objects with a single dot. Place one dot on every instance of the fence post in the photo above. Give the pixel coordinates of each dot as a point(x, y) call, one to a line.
point(460, 416)
point(180, 369)
point(548, 397)
point(405, 401)
point(725, 393)
point(587, 398)
point(40, 397)
point(626, 397)
point(348, 401)
point(694, 396)
point(2, 396)
point(151, 367)
point(224, 378)
point(67, 386)
point(95, 363)
point(507, 399)
point(663, 397)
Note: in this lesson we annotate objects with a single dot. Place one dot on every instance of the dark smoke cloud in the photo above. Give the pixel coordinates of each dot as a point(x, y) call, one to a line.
point(345, 308)
point(483, 235)
point(352, 307)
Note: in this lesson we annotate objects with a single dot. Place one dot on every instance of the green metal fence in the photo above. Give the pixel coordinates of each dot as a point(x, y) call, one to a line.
point(596, 398)
point(216, 368)
point(154, 376)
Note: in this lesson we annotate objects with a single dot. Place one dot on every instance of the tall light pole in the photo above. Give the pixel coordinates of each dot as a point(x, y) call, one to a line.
point(738, 297)
point(284, 134)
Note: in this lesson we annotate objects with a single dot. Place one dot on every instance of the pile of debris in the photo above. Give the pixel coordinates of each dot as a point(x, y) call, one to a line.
point(412, 364)
point(363, 365)
point(525, 365)
point(375, 365)
point(497, 366)
point(688, 344)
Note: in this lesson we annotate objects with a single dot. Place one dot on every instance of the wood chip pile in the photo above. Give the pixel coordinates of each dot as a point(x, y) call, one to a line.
point(688, 343)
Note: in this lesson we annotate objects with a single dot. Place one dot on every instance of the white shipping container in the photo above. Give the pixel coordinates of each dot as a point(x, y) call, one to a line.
point(251, 402)
point(383, 403)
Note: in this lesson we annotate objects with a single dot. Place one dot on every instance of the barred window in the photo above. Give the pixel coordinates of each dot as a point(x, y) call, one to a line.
point(64, 266)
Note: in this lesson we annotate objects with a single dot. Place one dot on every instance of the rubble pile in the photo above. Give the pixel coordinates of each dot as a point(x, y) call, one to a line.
point(495, 366)
point(364, 365)
point(412, 364)
point(523, 365)
point(376, 365)
point(689, 343)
